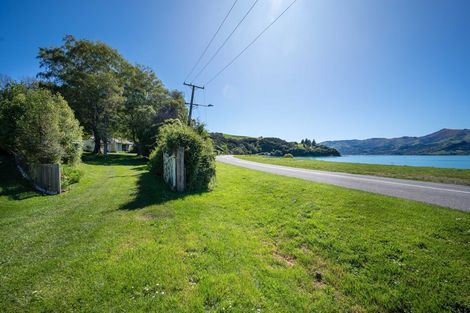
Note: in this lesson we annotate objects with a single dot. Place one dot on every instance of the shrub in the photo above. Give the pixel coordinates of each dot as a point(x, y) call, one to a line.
point(199, 157)
point(288, 155)
point(238, 150)
point(70, 175)
point(155, 164)
point(38, 126)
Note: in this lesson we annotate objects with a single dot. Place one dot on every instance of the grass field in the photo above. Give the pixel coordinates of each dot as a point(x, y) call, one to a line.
point(119, 241)
point(431, 174)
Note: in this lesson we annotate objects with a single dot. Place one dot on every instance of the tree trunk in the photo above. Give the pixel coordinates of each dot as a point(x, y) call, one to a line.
point(97, 148)
point(136, 144)
point(139, 148)
point(105, 147)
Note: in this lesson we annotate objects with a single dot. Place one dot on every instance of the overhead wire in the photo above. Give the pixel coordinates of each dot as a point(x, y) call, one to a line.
point(225, 41)
point(205, 103)
point(210, 41)
point(249, 45)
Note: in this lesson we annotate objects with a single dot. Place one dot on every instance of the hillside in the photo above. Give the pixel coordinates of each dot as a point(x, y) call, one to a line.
point(230, 144)
point(443, 142)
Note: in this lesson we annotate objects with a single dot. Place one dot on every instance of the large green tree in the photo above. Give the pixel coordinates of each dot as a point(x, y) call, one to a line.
point(110, 96)
point(89, 76)
point(147, 105)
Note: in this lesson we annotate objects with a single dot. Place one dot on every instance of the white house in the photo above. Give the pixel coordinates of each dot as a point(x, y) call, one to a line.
point(114, 145)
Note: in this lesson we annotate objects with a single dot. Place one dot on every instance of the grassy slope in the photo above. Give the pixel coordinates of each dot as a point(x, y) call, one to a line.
point(228, 136)
point(431, 174)
point(119, 241)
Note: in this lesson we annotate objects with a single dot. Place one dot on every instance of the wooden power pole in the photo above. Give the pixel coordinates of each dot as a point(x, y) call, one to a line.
point(191, 104)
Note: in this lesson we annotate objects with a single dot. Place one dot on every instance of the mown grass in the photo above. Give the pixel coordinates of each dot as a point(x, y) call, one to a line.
point(431, 174)
point(119, 240)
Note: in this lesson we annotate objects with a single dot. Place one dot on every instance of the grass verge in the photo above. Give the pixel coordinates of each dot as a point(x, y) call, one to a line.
point(119, 240)
point(430, 174)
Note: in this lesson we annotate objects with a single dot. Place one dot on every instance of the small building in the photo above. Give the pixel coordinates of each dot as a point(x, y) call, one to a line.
point(114, 145)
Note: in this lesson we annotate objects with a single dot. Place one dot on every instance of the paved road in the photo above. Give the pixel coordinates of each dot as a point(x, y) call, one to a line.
point(446, 195)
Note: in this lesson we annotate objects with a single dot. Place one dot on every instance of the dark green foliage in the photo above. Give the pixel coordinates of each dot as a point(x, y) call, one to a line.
point(227, 144)
point(155, 164)
point(148, 104)
point(199, 155)
point(70, 175)
point(37, 126)
point(88, 75)
point(110, 96)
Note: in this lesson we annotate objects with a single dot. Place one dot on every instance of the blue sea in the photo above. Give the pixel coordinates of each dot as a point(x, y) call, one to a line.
point(444, 161)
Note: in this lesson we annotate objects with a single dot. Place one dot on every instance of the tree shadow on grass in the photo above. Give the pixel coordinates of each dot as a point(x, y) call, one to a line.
point(152, 190)
point(125, 159)
point(12, 184)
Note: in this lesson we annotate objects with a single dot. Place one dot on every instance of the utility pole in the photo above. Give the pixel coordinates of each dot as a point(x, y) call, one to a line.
point(191, 104)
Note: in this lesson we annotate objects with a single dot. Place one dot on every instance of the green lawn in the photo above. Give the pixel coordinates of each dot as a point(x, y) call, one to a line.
point(119, 241)
point(431, 174)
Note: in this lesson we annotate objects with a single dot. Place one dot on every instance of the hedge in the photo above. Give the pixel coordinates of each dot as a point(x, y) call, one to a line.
point(199, 156)
point(38, 126)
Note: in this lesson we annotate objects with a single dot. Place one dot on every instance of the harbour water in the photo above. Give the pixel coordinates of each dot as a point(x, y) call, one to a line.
point(443, 161)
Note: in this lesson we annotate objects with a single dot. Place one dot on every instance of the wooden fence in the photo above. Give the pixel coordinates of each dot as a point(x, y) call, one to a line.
point(169, 170)
point(45, 178)
point(173, 169)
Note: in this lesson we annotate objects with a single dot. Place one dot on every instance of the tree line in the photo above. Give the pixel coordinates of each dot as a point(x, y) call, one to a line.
point(110, 96)
point(272, 146)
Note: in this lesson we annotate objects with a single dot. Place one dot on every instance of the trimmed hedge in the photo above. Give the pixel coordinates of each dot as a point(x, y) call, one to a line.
point(199, 156)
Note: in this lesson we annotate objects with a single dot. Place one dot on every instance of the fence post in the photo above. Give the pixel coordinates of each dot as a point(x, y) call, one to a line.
point(180, 170)
point(56, 184)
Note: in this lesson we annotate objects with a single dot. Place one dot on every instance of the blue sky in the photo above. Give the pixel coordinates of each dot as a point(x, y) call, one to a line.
point(326, 70)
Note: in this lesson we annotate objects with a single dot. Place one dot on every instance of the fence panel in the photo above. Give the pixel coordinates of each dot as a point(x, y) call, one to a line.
point(169, 170)
point(46, 177)
point(174, 171)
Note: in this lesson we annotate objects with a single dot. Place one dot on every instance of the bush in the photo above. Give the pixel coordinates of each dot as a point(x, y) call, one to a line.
point(155, 164)
point(199, 157)
point(288, 156)
point(70, 175)
point(238, 151)
point(37, 126)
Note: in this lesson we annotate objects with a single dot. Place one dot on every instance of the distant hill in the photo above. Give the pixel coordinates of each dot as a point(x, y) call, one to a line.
point(231, 144)
point(443, 142)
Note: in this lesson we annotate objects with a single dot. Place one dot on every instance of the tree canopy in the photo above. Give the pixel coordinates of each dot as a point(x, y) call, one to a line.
point(109, 95)
point(147, 105)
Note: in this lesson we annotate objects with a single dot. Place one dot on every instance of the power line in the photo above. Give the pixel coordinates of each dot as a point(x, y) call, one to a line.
point(249, 45)
point(227, 39)
point(210, 41)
